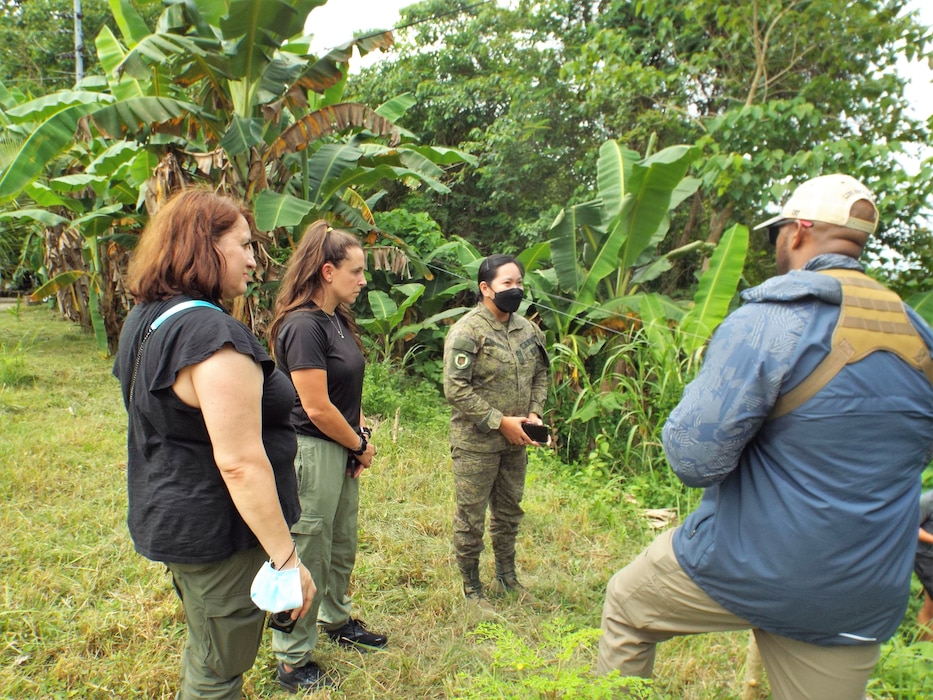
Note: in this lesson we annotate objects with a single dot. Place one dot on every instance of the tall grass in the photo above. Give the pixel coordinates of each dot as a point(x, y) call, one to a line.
point(612, 396)
point(84, 616)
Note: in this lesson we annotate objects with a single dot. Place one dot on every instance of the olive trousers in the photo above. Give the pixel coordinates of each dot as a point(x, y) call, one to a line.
point(326, 540)
point(493, 480)
point(224, 626)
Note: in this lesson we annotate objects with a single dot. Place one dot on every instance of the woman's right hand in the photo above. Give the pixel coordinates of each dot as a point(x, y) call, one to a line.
point(366, 459)
point(308, 589)
point(511, 429)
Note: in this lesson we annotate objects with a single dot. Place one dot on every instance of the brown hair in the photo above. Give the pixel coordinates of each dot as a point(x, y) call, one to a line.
point(320, 244)
point(177, 253)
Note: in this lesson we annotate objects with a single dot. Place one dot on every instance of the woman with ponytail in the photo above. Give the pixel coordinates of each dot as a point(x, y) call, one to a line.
point(316, 342)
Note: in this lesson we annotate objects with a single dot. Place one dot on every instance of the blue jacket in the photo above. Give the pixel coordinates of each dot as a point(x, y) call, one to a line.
point(808, 525)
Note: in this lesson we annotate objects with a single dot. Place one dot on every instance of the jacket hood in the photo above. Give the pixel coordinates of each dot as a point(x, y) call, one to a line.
point(806, 283)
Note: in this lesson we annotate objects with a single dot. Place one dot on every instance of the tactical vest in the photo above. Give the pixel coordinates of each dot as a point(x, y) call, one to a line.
point(871, 318)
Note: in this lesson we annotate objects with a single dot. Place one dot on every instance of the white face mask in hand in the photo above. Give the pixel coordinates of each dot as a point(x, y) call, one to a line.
point(275, 591)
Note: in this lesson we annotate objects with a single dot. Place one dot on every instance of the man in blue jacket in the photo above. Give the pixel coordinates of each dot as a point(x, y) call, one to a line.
point(809, 426)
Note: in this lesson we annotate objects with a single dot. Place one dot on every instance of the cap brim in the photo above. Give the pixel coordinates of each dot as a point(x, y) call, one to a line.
point(769, 222)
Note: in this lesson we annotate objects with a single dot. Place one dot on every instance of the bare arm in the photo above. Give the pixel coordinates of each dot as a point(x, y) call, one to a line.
point(311, 385)
point(227, 387)
point(926, 536)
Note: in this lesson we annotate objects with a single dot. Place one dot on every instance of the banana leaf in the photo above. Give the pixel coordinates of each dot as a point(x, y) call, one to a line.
point(531, 258)
point(922, 303)
point(43, 216)
point(614, 169)
point(243, 134)
point(46, 142)
point(395, 109)
point(646, 205)
point(129, 21)
point(273, 210)
point(57, 284)
point(563, 239)
point(716, 289)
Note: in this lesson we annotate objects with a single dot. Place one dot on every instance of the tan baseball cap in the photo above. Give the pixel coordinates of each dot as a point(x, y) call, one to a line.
point(829, 199)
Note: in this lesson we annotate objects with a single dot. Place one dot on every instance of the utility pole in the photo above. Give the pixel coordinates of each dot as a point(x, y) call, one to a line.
point(79, 43)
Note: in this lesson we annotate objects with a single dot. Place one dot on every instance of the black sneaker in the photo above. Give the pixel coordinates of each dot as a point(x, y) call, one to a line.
point(354, 635)
point(301, 678)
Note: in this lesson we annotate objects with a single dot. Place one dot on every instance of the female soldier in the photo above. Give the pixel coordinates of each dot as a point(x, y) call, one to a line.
point(315, 342)
point(495, 378)
point(209, 445)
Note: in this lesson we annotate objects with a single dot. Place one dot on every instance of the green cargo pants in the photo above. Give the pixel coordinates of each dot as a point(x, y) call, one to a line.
point(326, 538)
point(224, 626)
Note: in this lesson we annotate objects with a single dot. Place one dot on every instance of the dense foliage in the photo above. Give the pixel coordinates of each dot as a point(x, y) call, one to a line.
point(37, 41)
point(771, 91)
point(617, 146)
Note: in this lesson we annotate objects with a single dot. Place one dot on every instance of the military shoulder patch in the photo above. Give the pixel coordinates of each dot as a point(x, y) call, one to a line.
point(461, 360)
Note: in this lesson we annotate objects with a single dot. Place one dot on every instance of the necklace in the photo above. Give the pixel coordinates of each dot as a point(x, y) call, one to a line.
point(335, 323)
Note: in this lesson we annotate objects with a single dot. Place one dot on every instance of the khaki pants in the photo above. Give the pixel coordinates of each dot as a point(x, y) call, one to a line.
point(326, 539)
point(224, 626)
point(652, 600)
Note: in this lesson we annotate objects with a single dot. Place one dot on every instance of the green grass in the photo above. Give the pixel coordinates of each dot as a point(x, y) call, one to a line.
point(84, 616)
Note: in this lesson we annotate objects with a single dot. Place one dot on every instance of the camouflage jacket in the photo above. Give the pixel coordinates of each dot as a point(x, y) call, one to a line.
point(492, 369)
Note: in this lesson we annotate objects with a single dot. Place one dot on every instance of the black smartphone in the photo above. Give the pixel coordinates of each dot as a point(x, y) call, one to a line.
point(536, 432)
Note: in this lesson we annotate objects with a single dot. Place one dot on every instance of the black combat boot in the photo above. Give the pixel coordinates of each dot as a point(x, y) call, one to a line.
point(507, 582)
point(473, 588)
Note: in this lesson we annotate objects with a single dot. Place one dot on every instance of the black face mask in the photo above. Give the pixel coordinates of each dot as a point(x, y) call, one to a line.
point(508, 300)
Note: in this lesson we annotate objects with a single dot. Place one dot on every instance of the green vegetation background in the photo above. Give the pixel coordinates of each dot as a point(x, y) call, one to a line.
point(84, 616)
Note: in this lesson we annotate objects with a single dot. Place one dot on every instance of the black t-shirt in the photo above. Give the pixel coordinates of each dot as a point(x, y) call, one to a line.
point(179, 507)
point(312, 340)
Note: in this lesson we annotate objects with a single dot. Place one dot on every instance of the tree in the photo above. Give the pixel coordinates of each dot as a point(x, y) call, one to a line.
point(469, 72)
point(772, 92)
point(37, 41)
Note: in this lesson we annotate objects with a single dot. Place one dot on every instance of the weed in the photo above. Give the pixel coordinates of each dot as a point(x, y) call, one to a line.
point(14, 371)
point(551, 667)
point(903, 673)
point(392, 395)
point(16, 308)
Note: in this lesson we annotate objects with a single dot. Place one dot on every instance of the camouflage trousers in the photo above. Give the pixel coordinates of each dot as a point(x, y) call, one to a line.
point(496, 480)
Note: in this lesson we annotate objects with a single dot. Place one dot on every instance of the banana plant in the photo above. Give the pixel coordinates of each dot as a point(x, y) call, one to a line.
point(225, 91)
point(603, 249)
point(607, 330)
point(387, 318)
point(716, 290)
point(93, 226)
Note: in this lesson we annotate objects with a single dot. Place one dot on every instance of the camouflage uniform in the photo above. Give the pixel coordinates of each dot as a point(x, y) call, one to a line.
point(491, 369)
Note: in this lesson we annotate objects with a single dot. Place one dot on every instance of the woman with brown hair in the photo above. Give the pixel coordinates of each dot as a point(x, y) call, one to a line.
point(316, 342)
point(211, 489)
